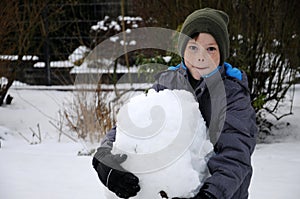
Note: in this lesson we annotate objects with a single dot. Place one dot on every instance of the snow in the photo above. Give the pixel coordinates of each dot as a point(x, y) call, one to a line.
point(101, 25)
point(15, 57)
point(114, 25)
point(159, 141)
point(130, 19)
point(55, 64)
point(114, 38)
point(47, 170)
point(52, 169)
point(276, 171)
point(105, 24)
point(132, 43)
point(167, 59)
point(78, 54)
point(3, 80)
point(105, 66)
point(122, 42)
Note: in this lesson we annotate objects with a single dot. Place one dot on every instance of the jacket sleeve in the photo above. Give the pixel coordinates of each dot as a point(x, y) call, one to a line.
point(109, 138)
point(230, 167)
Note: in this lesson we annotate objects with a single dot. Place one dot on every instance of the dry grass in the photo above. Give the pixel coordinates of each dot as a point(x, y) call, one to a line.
point(90, 115)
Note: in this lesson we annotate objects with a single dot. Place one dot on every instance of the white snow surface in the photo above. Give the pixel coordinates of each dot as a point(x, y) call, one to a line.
point(164, 137)
point(15, 57)
point(84, 68)
point(52, 169)
point(78, 54)
point(55, 64)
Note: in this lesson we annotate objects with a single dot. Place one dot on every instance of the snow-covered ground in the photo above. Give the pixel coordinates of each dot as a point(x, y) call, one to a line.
point(52, 169)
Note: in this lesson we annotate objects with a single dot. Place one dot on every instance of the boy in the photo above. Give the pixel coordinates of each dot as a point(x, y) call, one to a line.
point(224, 101)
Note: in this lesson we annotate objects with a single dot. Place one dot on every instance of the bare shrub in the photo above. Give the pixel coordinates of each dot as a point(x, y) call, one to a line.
point(93, 112)
point(85, 115)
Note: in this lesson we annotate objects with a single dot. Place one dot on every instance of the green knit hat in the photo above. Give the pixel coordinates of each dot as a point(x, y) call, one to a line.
point(206, 20)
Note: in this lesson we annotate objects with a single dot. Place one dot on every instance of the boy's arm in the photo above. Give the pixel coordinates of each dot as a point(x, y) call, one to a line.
point(231, 167)
point(109, 138)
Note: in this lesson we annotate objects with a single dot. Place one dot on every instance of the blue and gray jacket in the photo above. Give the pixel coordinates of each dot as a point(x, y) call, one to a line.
point(224, 101)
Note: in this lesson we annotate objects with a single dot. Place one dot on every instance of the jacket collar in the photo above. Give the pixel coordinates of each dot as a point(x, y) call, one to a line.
point(213, 77)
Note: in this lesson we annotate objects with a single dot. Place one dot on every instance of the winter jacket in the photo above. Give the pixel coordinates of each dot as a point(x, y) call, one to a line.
point(224, 102)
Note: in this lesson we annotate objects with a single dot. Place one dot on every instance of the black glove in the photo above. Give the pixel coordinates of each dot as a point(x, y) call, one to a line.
point(201, 195)
point(123, 183)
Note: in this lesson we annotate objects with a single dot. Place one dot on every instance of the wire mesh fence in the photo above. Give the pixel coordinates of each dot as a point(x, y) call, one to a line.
point(65, 27)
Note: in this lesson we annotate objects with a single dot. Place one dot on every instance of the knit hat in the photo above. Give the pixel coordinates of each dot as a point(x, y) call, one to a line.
point(206, 20)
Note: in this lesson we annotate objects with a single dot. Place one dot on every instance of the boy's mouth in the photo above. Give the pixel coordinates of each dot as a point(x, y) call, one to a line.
point(200, 68)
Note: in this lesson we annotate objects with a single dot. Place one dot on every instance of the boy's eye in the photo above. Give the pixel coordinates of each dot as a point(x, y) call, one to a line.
point(193, 48)
point(211, 49)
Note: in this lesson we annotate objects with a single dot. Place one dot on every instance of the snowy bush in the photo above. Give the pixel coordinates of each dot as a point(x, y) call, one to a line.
point(109, 29)
point(78, 55)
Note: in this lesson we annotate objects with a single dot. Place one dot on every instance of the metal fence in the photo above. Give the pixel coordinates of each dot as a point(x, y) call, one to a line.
point(73, 30)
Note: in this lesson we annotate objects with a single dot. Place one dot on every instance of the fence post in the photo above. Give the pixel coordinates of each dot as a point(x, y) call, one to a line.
point(46, 46)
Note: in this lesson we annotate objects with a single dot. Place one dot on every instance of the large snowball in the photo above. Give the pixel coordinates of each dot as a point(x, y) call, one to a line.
point(164, 137)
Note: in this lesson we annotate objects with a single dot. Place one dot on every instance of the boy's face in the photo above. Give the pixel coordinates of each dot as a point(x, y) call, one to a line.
point(202, 55)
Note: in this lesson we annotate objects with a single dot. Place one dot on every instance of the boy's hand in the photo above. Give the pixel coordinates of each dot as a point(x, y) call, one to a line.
point(123, 183)
point(201, 195)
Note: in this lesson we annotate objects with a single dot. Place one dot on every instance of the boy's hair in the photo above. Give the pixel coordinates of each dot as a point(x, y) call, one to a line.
point(206, 20)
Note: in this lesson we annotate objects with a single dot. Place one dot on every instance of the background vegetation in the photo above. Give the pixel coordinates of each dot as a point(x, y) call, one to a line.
point(264, 37)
